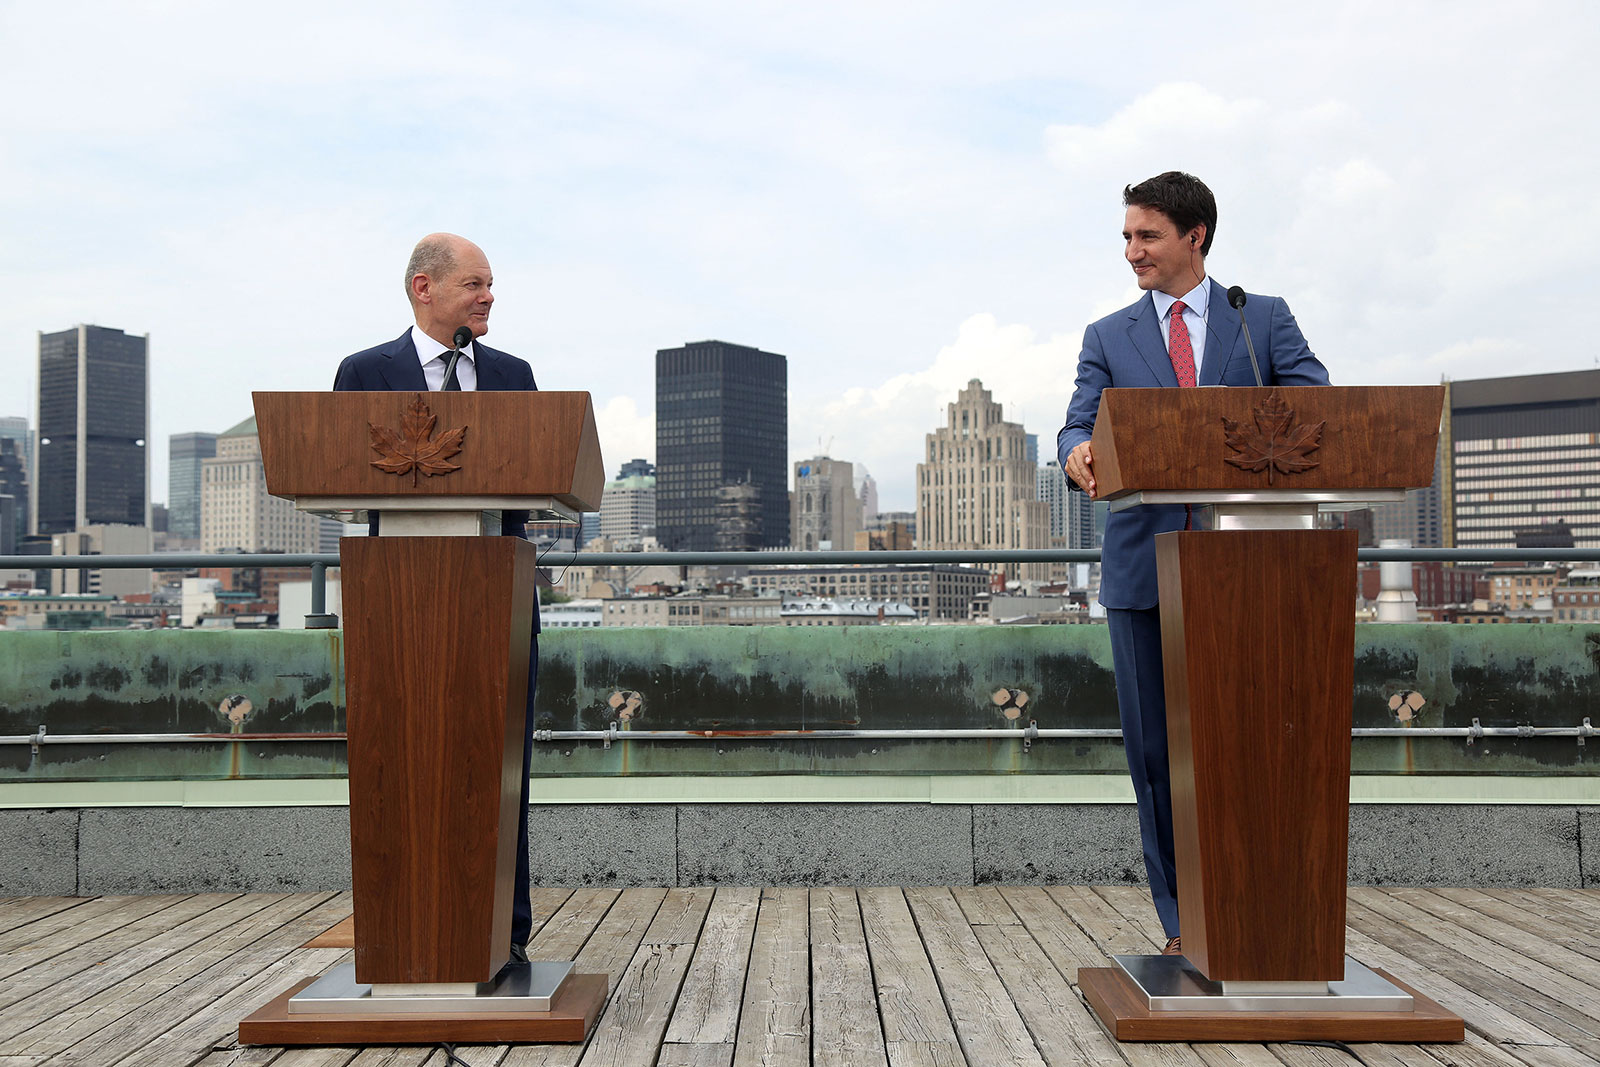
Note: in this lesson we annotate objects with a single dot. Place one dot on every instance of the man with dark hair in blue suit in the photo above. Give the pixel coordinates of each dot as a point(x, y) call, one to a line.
point(1169, 337)
point(450, 285)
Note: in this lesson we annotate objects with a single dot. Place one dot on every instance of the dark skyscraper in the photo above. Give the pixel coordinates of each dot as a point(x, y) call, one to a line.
point(14, 480)
point(94, 418)
point(722, 420)
point(185, 452)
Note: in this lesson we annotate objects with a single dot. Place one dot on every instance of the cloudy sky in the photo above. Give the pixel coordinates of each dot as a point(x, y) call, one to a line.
point(896, 196)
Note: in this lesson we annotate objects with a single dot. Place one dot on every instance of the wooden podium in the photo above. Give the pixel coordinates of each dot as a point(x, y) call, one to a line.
point(438, 623)
point(1258, 639)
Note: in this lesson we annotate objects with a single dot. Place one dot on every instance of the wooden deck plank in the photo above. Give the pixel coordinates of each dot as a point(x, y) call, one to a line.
point(1479, 1013)
point(315, 1057)
point(680, 917)
point(631, 1028)
point(1443, 957)
point(141, 1004)
point(619, 934)
point(205, 1012)
point(1114, 932)
point(917, 1028)
point(95, 953)
point(986, 1019)
point(97, 996)
point(237, 1057)
point(775, 1021)
point(1063, 1029)
point(28, 945)
point(1062, 941)
point(56, 1000)
point(695, 1055)
point(564, 935)
point(19, 911)
point(1543, 920)
point(830, 976)
point(846, 1031)
point(1534, 973)
point(983, 905)
point(1504, 930)
point(707, 1012)
point(1586, 902)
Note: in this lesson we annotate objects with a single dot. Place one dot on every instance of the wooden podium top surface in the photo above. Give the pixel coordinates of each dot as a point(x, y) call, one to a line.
point(1299, 439)
point(432, 444)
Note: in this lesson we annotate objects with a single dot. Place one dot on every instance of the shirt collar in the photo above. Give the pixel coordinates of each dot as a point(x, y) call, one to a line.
point(1196, 300)
point(429, 350)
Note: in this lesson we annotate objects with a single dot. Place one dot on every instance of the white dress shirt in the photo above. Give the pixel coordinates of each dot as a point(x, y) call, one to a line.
point(1196, 304)
point(434, 357)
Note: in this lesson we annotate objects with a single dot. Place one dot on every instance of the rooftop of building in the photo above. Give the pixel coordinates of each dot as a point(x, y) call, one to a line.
point(247, 428)
point(1560, 387)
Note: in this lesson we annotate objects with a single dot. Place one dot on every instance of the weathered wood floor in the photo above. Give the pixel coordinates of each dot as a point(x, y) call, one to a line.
point(709, 978)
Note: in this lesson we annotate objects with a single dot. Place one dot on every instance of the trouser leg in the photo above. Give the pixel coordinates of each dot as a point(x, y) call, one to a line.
point(521, 905)
point(1142, 707)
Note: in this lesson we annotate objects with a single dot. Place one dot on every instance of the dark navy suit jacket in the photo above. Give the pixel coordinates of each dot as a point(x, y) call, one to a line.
point(1126, 350)
point(393, 367)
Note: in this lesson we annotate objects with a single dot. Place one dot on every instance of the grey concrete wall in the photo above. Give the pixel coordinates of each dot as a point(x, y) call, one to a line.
point(179, 850)
point(38, 853)
point(193, 850)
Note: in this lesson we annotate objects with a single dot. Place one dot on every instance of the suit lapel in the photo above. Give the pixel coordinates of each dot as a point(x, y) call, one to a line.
point(489, 376)
point(400, 369)
point(1144, 331)
point(1222, 337)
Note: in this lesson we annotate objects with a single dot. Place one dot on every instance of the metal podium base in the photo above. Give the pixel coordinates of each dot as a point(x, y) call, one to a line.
point(518, 987)
point(1171, 983)
point(1170, 1001)
point(336, 1010)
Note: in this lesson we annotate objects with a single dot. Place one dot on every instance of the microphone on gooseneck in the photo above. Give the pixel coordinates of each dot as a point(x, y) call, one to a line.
point(1236, 299)
point(462, 337)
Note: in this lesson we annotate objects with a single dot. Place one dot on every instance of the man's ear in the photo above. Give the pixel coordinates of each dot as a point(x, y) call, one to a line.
point(421, 289)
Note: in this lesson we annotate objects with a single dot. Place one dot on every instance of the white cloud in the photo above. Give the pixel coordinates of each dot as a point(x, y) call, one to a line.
point(885, 425)
point(624, 433)
point(841, 183)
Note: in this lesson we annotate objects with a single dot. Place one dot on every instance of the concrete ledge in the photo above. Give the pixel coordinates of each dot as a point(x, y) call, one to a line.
point(41, 853)
point(1589, 846)
point(282, 849)
point(1479, 845)
point(193, 850)
point(824, 844)
point(1077, 844)
point(602, 845)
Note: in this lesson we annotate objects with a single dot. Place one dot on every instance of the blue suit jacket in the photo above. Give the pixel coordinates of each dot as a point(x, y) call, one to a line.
point(1126, 350)
point(393, 367)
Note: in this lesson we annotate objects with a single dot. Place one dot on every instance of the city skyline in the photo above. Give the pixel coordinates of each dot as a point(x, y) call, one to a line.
point(897, 198)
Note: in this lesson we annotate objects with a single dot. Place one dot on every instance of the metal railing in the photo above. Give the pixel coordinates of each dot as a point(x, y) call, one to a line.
point(319, 618)
point(613, 734)
point(320, 562)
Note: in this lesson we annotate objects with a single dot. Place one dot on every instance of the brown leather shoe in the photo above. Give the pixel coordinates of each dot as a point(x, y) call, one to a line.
point(1174, 947)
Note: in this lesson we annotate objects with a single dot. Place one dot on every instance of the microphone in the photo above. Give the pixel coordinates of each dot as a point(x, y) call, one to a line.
point(1236, 299)
point(462, 337)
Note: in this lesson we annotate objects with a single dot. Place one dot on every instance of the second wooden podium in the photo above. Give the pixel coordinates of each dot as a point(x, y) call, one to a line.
point(1258, 642)
point(438, 624)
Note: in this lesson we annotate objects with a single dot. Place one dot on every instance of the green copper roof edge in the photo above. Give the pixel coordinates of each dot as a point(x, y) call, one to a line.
point(783, 789)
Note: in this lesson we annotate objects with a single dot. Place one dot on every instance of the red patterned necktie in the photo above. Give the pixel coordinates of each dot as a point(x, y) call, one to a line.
point(1182, 352)
point(1179, 346)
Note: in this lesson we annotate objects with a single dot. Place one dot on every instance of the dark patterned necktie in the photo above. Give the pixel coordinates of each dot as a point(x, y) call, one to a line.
point(451, 383)
point(1179, 347)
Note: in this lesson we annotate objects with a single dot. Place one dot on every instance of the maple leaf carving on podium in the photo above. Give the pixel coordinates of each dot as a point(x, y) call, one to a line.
point(413, 449)
point(1275, 443)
